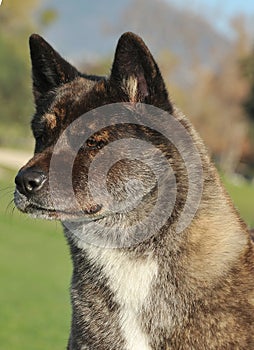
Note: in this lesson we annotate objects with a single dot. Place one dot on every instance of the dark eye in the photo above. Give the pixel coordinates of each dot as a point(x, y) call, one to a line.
point(92, 143)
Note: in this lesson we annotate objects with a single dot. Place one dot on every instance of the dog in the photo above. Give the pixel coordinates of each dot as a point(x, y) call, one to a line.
point(140, 281)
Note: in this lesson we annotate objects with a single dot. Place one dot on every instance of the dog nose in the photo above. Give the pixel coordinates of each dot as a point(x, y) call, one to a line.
point(29, 181)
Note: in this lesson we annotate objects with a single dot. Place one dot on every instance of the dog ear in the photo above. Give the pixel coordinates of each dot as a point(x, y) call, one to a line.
point(136, 73)
point(49, 69)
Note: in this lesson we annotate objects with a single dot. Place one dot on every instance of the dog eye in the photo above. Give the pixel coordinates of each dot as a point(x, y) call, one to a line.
point(92, 143)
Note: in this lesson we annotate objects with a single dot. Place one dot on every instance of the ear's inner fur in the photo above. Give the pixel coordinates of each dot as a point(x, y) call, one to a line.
point(135, 71)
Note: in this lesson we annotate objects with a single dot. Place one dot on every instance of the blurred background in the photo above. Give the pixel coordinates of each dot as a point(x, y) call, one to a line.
point(205, 49)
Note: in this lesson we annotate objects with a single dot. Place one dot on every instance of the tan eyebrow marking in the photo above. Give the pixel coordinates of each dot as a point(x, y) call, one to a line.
point(50, 120)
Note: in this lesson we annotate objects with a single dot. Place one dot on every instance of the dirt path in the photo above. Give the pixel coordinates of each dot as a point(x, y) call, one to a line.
point(13, 159)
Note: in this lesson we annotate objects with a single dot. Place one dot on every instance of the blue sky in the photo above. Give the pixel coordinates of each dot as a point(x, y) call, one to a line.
point(81, 20)
point(227, 7)
point(220, 11)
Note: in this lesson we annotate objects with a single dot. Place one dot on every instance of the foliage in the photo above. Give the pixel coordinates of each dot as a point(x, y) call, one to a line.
point(100, 67)
point(16, 18)
point(249, 104)
point(248, 71)
point(15, 95)
point(47, 17)
point(215, 103)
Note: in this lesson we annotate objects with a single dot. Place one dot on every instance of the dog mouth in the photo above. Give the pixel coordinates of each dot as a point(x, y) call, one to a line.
point(92, 212)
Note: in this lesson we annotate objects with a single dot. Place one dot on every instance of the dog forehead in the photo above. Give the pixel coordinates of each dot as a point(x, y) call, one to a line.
point(69, 98)
point(74, 90)
point(62, 105)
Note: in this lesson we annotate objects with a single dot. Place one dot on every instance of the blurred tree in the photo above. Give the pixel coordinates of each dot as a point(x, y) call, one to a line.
point(248, 70)
point(247, 66)
point(17, 22)
point(99, 67)
point(249, 103)
point(48, 17)
point(216, 103)
point(15, 95)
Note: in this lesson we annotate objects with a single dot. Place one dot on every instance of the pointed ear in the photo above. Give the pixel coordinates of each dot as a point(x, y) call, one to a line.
point(49, 69)
point(136, 73)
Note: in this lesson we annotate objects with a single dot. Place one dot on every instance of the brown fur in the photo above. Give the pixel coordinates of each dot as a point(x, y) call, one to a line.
point(192, 290)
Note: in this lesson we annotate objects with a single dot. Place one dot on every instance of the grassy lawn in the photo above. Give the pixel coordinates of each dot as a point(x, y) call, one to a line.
point(35, 272)
point(243, 198)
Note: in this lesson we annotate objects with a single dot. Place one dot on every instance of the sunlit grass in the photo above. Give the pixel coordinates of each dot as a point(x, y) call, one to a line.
point(242, 195)
point(35, 275)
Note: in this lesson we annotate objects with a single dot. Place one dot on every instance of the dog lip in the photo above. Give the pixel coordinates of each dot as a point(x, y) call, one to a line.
point(91, 212)
point(29, 207)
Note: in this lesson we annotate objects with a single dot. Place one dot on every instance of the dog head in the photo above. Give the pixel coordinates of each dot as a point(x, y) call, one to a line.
point(77, 118)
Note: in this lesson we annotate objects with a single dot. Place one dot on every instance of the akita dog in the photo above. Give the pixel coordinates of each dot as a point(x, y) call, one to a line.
point(161, 258)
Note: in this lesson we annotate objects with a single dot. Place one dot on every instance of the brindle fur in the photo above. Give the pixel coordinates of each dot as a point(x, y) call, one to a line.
point(187, 291)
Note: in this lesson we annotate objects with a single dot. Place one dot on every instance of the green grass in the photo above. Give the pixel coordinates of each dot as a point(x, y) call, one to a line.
point(35, 273)
point(243, 198)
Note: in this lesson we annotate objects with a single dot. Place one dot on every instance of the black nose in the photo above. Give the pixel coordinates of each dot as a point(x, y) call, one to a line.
point(29, 180)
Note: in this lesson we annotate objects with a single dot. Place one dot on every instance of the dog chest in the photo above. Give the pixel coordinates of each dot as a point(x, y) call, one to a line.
point(130, 280)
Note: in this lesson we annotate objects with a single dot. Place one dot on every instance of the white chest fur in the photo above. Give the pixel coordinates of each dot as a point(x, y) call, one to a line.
point(130, 280)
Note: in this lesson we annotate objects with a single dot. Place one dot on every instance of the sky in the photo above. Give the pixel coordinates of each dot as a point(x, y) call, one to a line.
point(220, 11)
point(226, 7)
point(78, 21)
